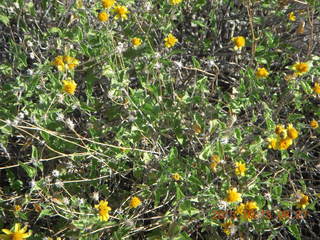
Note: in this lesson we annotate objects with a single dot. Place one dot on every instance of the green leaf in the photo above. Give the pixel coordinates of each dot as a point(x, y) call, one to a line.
point(284, 178)
point(173, 155)
point(294, 230)
point(4, 19)
point(276, 191)
point(31, 171)
point(34, 153)
point(45, 212)
point(179, 193)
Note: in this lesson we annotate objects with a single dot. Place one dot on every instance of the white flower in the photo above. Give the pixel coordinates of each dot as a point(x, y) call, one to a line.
point(211, 63)
point(20, 115)
point(66, 201)
point(55, 173)
point(157, 55)
point(32, 183)
point(60, 117)
point(222, 205)
point(147, 6)
point(224, 140)
point(179, 64)
point(32, 55)
point(59, 183)
point(120, 48)
point(60, 97)
point(157, 65)
point(95, 196)
point(69, 123)
point(131, 118)
point(29, 43)
point(30, 72)
point(268, 196)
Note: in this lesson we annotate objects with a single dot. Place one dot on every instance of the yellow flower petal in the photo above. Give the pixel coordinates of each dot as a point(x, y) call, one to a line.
point(6, 231)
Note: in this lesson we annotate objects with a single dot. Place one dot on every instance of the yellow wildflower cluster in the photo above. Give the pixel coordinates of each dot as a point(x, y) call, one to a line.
point(247, 210)
point(64, 63)
point(136, 41)
point(292, 17)
point(239, 42)
point(175, 2)
point(240, 169)
point(284, 139)
point(121, 12)
point(135, 202)
point(104, 210)
point(215, 159)
point(170, 41)
point(314, 124)
point(227, 226)
point(176, 176)
point(302, 201)
point(69, 86)
point(316, 88)
point(108, 3)
point(103, 16)
point(17, 208)
point(262, 73)
point(17, 234)
point(301, 68)
point(233, 195)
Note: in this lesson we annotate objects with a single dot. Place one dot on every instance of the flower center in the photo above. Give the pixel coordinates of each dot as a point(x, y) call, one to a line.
point(17, 236)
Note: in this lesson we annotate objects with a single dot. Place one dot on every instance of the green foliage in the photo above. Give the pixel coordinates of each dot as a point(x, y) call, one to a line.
point(166, 125)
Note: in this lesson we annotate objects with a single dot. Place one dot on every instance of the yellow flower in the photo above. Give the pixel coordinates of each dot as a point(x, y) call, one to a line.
point(233, 196)
point(108, 3)
point(176, 176)
point(291, 16)
point(121, 12)
point(170, 41)
point(64, 63)
point(301, 68)
point(215, 161)
point(227, 227)
point(251, 205)
point(18, 233)
point(279, 130)
point(314, 124)
point(239, 42)
point(302, 201)
point(240, 169)
point(292, 132)
point(262, 73)
point(69, 86)
point(175, 2)
point(103, 16)
point(215, 158)
point(213, 166)
point(316, 88)
point(250, 210)
point(283, 144)
point(273, 143)
point(247, 210)
point(17, 208)
point(104, 210)
point(135, 202)
point(240, 209)
point(136, 41)
point(196, 128)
